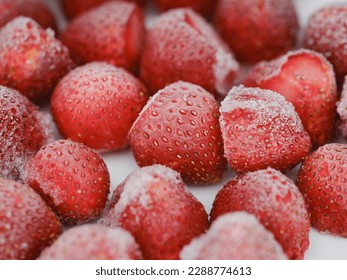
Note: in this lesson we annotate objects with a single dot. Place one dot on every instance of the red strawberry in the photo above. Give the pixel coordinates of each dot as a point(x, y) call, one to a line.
point(234, 236)
point(23, 130)
point(113, 32)
point(33, 60)
point(72, 178)
point(156, 207)
point(179, 128)
point(204, 7)
point(306, 79)
point(73, 8)
point(257, 30)
point(96, 104)
point(93, 242)
point(275, 201)
point(27, 224)
point(322, 181)
point(326, 33)
point(261, 129)
point(181, 45)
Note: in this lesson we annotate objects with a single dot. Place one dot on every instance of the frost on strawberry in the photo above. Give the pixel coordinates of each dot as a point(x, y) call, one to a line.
point(261, 129)
point(275, 201)
point(234, 236)
point(93, 242)
point(155, 206)
point(27, 224)
point(72, 178)
point(179, 128)
point(96, 104)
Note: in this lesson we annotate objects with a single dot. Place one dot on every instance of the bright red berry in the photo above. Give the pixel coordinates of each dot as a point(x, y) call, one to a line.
point(27, 224)
point(261, 129)
point(179, 128)
point(181, 45)
point(204, 7)
point(113, 32)
point(257, 30)
point(307, 80)
point(322, 181)
point(93, 242)
point(234, 236)
point(72, 178)
point(275, 201)
point(155, 206)
point(96, 104)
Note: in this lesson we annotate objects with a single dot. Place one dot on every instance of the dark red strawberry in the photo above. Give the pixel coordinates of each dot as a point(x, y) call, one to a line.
point(27, 224)
point(73, 8)
point(93, 242)
point(261, 129)
point(275, 201)
point(234, 236)
point(204, 7)
point(181, 45)
point(23, 130)
point(306, 79)
point(257, 29)
point(155, 206)
point(72, 178)
point(113, 32)
point(322, 181)
point(96, 104)
point(179, 128)
point(32, 59)
point(326, 33)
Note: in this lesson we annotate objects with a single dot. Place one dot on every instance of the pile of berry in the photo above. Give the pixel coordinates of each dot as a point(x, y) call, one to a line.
point(207, 85)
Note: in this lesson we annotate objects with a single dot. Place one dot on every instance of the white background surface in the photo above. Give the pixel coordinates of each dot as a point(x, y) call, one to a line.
point(322, 246)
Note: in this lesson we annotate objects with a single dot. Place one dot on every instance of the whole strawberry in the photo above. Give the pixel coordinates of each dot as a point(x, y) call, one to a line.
point(179, 128)
point(275, 201)
point(72, 178)
point(181, 45)
point(257, 30)
point(204, 7)
point(307, 80)
point(93, 242)
point(23, 130)
point(113, 32)
point(322, 182)
point(96, 104)
point(155, 206)
point(261, 129)
point(27, 224)
point(32, 59)
point(234, 236)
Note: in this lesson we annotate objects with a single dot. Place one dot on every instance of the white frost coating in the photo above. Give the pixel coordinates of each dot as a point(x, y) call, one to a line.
point(237, 235)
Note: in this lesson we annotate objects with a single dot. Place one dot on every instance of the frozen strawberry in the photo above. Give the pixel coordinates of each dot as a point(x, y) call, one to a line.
point(23, 130)
point(96, 104)
point(113, 32)
point(179, 128)
point(32, 59)
point(156, 207)
point(261, 129)
point(93, 242)
point(35, 9)
point(73, 8)
point(234, 236)
point(322, 181)
point(181, 45)
point(257, 30)
point(275, 201)
point(307, 80)
point(27, 224)
point(204, 7)
point(326, 32)
point(72, 178)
